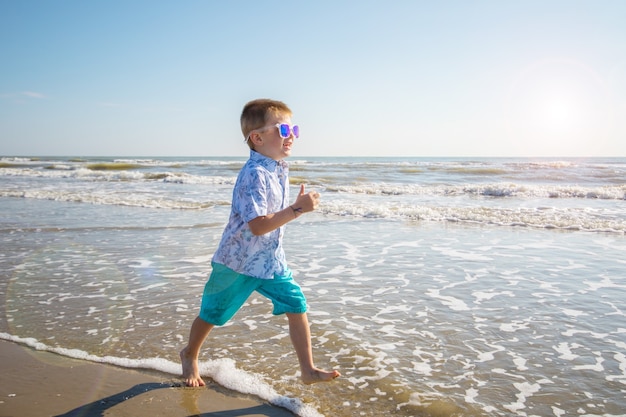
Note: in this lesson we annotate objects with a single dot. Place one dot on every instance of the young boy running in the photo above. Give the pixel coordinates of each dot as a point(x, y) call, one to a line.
point(250, 256)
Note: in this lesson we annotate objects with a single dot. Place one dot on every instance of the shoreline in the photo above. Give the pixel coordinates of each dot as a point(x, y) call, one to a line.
point(36, 383)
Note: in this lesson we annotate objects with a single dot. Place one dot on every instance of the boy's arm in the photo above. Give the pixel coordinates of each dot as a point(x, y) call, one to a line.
point(304, 203)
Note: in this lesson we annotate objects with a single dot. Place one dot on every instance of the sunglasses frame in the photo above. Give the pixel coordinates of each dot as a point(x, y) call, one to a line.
point(291, 129)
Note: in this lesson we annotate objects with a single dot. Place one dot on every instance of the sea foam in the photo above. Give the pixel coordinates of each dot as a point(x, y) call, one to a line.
point(222, 371)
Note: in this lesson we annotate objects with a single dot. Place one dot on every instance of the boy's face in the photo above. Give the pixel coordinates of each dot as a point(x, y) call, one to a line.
point(267, 140)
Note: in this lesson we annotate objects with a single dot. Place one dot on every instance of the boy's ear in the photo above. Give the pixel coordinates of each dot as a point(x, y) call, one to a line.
point(256, 138)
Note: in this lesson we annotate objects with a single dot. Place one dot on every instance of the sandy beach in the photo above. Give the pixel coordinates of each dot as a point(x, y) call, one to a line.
point(34, 383)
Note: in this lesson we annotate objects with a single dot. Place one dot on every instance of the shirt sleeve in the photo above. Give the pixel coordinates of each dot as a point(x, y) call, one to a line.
point(250, 198)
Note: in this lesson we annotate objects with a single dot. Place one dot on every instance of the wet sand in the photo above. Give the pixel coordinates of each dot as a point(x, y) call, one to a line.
point(34, 383)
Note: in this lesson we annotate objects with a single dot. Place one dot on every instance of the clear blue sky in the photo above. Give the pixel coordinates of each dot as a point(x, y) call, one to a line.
point(364, 78)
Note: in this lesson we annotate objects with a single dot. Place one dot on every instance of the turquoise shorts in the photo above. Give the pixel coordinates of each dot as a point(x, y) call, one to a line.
point(227, 290)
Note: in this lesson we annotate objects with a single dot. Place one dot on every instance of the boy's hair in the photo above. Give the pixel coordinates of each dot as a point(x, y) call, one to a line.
point(255, 114)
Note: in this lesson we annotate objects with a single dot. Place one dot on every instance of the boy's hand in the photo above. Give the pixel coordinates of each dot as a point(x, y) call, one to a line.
point(306, 202)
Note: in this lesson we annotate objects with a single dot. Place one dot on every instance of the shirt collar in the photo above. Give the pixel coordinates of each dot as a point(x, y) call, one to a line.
point(267, 163)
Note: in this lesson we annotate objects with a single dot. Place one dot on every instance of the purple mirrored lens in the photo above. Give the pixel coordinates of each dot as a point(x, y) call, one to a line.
point(296, 130)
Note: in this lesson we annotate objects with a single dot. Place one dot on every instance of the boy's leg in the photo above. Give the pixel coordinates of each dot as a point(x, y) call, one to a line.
point(224, 293)
point(200, 329)
point(301, 339)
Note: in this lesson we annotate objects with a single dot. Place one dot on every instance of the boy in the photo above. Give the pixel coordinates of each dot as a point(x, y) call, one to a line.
point(250, 256)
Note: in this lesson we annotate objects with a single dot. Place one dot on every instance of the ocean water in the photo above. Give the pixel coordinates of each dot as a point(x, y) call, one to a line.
point(437, 286)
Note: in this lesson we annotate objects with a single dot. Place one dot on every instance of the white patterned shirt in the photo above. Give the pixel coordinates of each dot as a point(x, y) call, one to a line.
point(262, 188)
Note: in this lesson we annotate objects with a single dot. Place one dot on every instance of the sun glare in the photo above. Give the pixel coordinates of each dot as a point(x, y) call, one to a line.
point(558, 114)
point(558, 108)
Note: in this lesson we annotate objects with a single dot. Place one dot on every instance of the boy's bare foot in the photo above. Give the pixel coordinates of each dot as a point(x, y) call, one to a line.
point(191, 374)
point(319, 375)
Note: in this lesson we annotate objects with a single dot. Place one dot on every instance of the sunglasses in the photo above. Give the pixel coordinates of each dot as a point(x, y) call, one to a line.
point(284, 130)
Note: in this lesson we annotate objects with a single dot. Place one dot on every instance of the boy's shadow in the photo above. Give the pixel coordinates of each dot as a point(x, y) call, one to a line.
point(99, 407)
